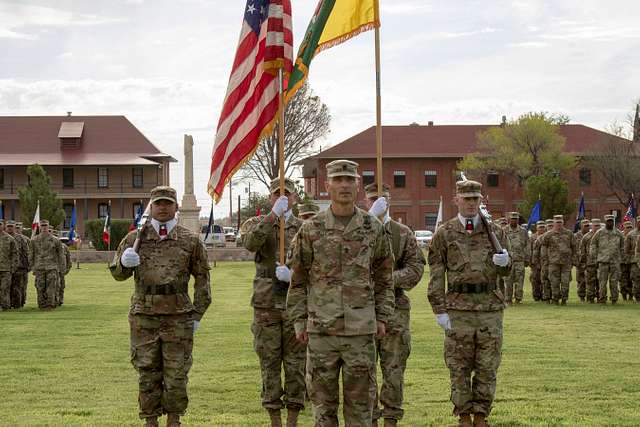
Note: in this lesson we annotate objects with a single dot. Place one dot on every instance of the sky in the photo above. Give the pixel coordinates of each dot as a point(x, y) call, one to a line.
point(164, 64)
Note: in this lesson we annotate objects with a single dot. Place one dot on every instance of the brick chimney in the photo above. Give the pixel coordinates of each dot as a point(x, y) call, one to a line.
point(430, 123)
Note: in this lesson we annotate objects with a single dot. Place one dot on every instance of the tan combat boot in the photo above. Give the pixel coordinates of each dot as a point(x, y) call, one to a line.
point(480, 421)
point(173, 420)
point(390, 422)
point(151, 422)
point(465, 421)
point(274, 414)
point(292, 417)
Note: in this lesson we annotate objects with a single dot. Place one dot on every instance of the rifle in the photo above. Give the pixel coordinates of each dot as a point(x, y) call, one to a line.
point(143, 221)
point(485, 217)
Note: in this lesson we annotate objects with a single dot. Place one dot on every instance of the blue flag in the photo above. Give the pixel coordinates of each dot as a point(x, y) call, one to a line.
point(535, 215)
point(580, 215)
point(1, 210)
point(210, 226)
point(72, 226)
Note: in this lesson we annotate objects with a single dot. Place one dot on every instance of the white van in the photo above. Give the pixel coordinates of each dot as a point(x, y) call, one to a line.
point(215, 238)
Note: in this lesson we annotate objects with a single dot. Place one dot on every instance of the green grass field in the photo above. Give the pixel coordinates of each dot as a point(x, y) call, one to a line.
point(562, 366)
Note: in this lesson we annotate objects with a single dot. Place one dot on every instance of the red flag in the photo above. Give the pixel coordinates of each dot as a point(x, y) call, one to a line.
point(250, 107)
point(106, 231)
point(35, 225)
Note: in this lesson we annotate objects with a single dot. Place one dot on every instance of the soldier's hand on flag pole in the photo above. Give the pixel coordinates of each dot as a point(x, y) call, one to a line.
point(379, 207)
point(283, 273)
point(501, 260)
point(280, 206)
point(130, 258)
point(444, 321)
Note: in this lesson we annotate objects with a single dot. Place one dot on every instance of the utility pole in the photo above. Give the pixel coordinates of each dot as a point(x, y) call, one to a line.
point(230, 202)
point(238, 212)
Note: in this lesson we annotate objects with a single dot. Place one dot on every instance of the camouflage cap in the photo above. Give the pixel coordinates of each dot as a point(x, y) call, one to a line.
point(609, 217)
point(342, 168)
point(638, 220)
point(595, 221)
point(289, 185)
point(10, 223)
point(44, 222)
point(309, 207)
point(549, 221)
point(514, 215)
point(585, 222)
point(627, 224)
point(371, 190)
point(540, 223)
point(163, 192)
point(468, 189)
point(558, 218)
point(18, 224)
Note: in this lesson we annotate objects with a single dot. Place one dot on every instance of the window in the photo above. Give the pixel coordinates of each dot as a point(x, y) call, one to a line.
point(103, 210)
point(368, 177)
point(68, 209)
point(430, 178)
point(430, 221)
point(103, 177)
point(493, 179)
point(399, 179)
point(585, 177)
point(137, 177)
point(67, 177)
point(1, 179)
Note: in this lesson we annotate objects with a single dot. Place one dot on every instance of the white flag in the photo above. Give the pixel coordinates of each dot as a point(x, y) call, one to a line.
point(35, 225)
point(440, 214)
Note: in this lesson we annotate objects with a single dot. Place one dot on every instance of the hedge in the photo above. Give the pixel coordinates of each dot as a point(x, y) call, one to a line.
point(119, 229)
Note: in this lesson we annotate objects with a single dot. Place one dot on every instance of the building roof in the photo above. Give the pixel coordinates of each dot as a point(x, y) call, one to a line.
point(105, 140)
point(442, 141)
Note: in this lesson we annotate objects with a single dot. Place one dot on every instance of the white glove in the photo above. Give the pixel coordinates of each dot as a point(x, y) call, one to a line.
point(501, 260)
point(379, 207)
point(444, 321)
point(196, 325)
point(280, 206)
point(130, 258)
point(283, 273)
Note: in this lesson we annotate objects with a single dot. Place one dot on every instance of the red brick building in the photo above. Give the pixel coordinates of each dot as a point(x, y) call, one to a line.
point(419, 163)
point(90, 159)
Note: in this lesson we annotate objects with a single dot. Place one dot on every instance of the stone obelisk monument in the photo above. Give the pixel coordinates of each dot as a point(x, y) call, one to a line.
point(189, 209)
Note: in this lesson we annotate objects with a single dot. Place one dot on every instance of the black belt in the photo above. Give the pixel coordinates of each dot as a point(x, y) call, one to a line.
point(166, 289)
point(472, 288)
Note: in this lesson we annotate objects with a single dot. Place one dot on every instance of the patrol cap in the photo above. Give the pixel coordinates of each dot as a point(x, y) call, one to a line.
point(44, 222)
point(10, 223)
point(558, 218)
point(342, 168)
point(18, 224)
point(595, 221)
point(371, 190)
point(308, 208)
point(468, 189)
point(626, 224)
point(585, 222)
point(289, 185)
point(514, 215)
point(638, 219)
point(163, 192)
point(609, 217)
point(541, 223)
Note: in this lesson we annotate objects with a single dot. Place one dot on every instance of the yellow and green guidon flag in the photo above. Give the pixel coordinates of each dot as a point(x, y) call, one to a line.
point(334, 22)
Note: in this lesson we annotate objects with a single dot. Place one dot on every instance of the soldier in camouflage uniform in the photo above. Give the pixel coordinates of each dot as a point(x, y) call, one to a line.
point(544, 266)
point(19, 277)
point(8, 263)
point(626, 286)
point(502, 223)
point(274, 338)
point(535, 278)
point(470, 307)
point(520, 258)
point(308, 209)
point(46, 256)
point(341, 296)
point(162, 317)
point(591, 267)
point(395, 347)
point(562, 254)
point(606, 248)
point(581, 280)
point(635, 267)
point(64, 270)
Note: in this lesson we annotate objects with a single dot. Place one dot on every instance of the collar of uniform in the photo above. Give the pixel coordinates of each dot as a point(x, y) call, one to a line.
point(356, 220)
point(171, 225)
point(476, 221)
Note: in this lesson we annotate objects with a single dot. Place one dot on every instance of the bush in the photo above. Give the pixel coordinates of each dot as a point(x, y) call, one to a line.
point(119, 229)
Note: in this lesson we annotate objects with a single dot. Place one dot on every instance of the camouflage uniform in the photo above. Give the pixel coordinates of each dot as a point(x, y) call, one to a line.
point(562, 254)
point(395, 347)
point(635, 267)
point(591, 267)
point(626, 285)
point(581, 280)
point(536, 277)
point(20, 277)
point(341, 286)
point(161, 315)
point(274, 338)
point(64, 270)
point(606, 248)
point(46, 256)
point(8, 263)
point(520, 257)
point(475, 307)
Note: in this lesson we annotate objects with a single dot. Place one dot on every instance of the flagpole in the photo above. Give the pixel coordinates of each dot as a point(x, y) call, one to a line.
point(378, 102)
point(281, 155)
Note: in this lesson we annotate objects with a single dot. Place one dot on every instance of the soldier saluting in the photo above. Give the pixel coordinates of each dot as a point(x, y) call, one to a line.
point(162, 316)
point(467, 304)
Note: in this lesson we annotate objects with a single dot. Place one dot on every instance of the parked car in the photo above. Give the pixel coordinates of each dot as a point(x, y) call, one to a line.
point(216, 237)
point(229, 234)
point(424, 237)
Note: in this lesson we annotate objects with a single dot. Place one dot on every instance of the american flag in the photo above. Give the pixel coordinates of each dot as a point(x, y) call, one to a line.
point(630, 215)
point(250, 107)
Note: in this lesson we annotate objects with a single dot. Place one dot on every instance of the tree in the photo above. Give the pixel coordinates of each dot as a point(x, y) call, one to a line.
point(39, 189)
point(529, 146)
point(119, 229)
point(307, 119)
point(553, 193)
